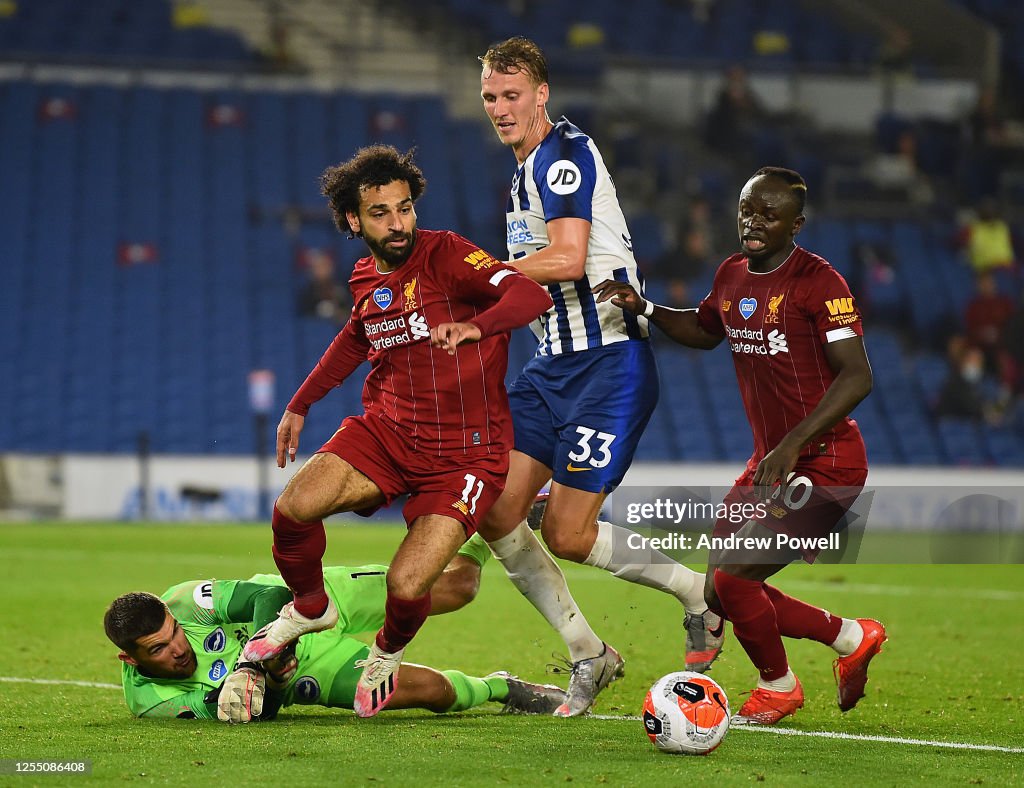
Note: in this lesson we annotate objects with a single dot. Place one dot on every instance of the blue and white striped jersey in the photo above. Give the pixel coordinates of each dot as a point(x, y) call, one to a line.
point(565, 176)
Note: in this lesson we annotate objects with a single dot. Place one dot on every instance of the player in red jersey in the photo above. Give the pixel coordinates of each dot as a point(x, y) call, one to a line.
point(436, 422)
point(796, 339)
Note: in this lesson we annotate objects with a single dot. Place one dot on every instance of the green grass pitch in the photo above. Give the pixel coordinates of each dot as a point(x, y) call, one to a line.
point(951, 672)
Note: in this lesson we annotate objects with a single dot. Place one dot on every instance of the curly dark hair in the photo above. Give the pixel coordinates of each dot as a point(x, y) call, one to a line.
point(372, 166)
point(132, 616)
point(517, 54)
point(797, 184)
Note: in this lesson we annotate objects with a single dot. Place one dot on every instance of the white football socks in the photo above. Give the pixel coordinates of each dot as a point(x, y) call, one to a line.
point(850, 636)
point(786, 684)
point(646, 566)
point(539, 579)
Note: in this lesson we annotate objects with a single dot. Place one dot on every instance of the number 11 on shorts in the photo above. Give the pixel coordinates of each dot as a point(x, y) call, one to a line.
point(472, 481)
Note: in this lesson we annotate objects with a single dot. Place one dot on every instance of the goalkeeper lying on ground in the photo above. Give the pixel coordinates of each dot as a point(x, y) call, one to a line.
point(179, 652)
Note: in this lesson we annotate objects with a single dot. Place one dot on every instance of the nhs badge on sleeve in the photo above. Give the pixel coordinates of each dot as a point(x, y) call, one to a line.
point(382, 297)
point(218, 670)
point(747, 307)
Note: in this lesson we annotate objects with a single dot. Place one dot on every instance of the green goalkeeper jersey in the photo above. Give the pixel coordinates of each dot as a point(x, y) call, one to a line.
point(218, 617)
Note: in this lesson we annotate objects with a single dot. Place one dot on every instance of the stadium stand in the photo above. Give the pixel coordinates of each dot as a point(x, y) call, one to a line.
point(156, 32)
point(155, 241)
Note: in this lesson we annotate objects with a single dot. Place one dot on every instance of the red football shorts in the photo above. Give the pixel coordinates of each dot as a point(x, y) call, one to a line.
point(463, 486)
point(816, 499)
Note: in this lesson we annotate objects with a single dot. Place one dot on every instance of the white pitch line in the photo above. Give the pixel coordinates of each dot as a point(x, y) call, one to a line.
point(99, 684)
point(952, 745)
point(988, 594)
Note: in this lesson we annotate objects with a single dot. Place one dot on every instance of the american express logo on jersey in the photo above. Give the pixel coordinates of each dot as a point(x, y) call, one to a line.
point(518, 232)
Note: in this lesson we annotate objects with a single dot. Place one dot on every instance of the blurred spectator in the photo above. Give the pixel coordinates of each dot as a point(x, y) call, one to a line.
point(993, 142)
point(690, 251)
point(965, 394)
point(987, 239)
point(278, 52)
point(899, 171)
point(961, 394)
point(894, 56)
point(985, 320)
point(737, 115)
point(679, 295)
point(1013, 349)
point(323, 296)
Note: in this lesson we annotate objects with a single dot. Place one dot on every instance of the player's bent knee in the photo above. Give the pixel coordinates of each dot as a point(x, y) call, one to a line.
point(565, 544)
point(295, 508)
point(406, 585)
point(465, 585)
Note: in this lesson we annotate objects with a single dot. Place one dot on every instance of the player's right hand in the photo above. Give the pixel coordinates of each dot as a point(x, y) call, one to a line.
point(288, 436)
point(241, 695)
point(621, 295)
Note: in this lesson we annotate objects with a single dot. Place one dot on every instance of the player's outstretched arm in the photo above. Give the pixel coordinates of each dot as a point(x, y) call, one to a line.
point(678, 324)
point(852, 383)
point(342, 357)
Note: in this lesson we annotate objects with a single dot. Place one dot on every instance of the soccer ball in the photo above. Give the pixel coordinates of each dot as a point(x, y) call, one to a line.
point(686, 713)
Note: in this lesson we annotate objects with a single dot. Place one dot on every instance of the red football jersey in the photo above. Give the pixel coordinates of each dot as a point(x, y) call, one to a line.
point(444, 404)
point(777, 325)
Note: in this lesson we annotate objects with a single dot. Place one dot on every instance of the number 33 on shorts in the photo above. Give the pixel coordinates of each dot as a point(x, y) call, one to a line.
point(594, 448)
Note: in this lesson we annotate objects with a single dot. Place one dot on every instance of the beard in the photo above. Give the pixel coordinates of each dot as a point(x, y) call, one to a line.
point(390, 255)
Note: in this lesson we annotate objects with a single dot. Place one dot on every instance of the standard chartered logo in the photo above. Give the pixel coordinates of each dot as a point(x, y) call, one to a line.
point(777, 342)
point(418, 326)
point(750, 341)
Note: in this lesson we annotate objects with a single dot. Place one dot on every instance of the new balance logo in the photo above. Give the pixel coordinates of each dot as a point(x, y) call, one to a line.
point(418, 326)
point(839, 306)
point(777, 343)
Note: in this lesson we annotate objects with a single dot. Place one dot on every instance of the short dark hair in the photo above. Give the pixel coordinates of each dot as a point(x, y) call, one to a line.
point(796, 182)
point(517, 54)
point(372, 166)
point(132, 616)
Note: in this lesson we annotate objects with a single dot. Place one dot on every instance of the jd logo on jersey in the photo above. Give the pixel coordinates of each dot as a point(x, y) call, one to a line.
point(564, 177)
point(382, 297)
point(218, 670)
point(747, 307)
point(215, 641)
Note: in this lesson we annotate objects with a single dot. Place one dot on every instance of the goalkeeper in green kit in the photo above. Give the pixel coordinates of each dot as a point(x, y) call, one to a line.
point(180, 652)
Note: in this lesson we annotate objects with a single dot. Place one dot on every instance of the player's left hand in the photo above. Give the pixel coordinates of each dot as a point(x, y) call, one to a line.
point(621, 294)
point(774, 469)
point(241, 695)
point(449, 336)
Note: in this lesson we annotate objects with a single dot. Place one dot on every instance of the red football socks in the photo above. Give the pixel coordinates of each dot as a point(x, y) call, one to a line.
point(797, 619)
point(402, 620)
point(754, 623)
point(298, 551)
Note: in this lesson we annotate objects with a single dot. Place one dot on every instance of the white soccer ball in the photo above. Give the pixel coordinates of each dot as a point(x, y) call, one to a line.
point(686, 713)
